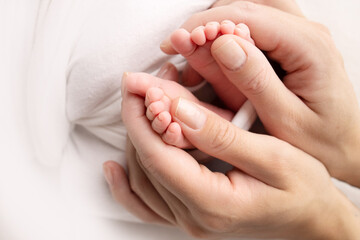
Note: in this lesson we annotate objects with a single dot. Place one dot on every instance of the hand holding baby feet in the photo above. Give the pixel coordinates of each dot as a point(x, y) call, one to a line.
point(158, 112)
point(195, 47)
point(158, 95)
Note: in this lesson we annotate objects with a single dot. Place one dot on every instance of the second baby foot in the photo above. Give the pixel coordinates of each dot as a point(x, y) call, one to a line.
point(195, 47)
point(158, 95)
point(158, 112)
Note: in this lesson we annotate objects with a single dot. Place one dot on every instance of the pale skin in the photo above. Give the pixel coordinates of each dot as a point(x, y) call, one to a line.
point(319, 112)
point(159, 94)
point(158, 105)
point(280, 180)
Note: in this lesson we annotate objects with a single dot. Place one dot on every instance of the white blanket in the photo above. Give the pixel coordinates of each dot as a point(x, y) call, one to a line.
point(79, 47)
point(74, 86)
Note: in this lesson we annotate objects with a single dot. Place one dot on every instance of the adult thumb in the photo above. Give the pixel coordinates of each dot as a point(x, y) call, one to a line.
point(255, 154)
point(249, 70)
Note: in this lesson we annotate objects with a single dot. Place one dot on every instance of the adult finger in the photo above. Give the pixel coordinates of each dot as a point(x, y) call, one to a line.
point(144, 188)
point(167, 164)
point(256, 155)
point(169, 72)
point(289, 6)
point(120, 189)
point(158, 199)
point(138, 83)
point(173, 168)
point(249, 70)
point(190, 77)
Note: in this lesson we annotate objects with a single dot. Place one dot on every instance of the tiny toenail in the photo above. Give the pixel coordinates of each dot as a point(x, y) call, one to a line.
point(151, 108)
point(226, 22)
point(199, 28)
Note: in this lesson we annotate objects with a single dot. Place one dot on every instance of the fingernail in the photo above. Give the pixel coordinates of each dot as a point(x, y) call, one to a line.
point(190, 114)
point(166, 43)
point(231, 55)
point(125, 75)
point(164, 69)
point(108, 175)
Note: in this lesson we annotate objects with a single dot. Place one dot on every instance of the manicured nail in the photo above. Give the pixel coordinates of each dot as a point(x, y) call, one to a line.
point(164, 70)
point(231, 55)
point(190, 114)
point(108, 175)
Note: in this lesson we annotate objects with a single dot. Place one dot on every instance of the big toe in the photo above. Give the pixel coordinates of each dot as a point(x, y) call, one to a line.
point(182, 43)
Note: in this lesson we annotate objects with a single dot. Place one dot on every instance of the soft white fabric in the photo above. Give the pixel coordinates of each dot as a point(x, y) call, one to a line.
point(31, 201)
point(75, 96)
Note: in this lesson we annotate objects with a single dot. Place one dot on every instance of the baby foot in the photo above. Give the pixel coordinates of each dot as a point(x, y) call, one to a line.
point(195, 47)
point(158, 95)
point(158, 112)
point(212, 30)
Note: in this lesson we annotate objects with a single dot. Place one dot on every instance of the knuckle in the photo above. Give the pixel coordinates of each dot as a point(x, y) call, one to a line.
point(257, 83)
point(222, 137)
point(293, 124)
point(280, 156)
point(322, 28)
point(322, 35)
point(280, 159)
point(325, 45)
point(326, 40)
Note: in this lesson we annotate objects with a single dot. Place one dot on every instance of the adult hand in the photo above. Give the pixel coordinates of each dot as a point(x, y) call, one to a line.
point(315, 107)
point(271, 179)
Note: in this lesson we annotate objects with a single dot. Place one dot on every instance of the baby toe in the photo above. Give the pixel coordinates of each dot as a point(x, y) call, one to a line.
point(227, 27)
point(243, 28)
point(173, 136)
point(161, 122)
point(212, 30)
point(198, 35)
point(182, 43)
point(243, 31)
point(154, 109)
point(153, 94)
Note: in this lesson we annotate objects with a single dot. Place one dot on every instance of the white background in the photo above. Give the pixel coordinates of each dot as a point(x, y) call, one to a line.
point(31, 206)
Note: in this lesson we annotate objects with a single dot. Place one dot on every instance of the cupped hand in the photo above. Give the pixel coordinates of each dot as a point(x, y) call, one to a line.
point(314, 107)
point(273, 190)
